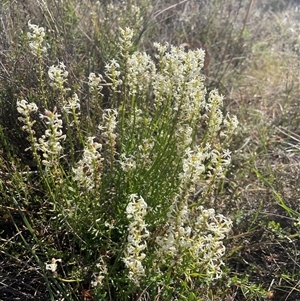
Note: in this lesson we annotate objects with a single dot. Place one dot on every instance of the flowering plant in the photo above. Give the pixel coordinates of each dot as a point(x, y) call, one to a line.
point(144, 172)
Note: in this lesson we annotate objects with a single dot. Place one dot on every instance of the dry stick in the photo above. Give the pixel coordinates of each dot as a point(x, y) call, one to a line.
point(247, 16)
point(88, 91)
point(13, 209)
point(294, 288)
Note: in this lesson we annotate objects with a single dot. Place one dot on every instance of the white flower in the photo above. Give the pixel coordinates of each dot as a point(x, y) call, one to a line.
point(36, 38)
point(126, 37)
point(95, 82)
point(88, 169)
point(53, 265)
point(161, 48)
point(136, 211)
point(113, 73)
point(25, 109)
point(72, 105)
point(214, 113)
point(127, 164)
point(193, 167)
point(108, 127)
point(58, 75)
point(100, 276)
point(231, 123)
point(141, 70)
point(200, 237)
point(49, 143)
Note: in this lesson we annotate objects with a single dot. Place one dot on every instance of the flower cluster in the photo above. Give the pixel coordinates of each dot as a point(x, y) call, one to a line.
point(125, 39)
point(88, 169)
point(127, 163)
point(214, 115)
point(71, 106)
point(193, 167)
point(36, 38)
point(141, 71)
point(25, 109)
point(136, 211)
point(58, 75)
point(50, 142)
point(194, 237)
point(219, 161)
point(100, 276)
point(231, 124)
point(95, 82)
point(112, 71)
point(179, 81)
point(108, 128)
